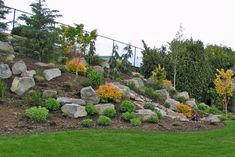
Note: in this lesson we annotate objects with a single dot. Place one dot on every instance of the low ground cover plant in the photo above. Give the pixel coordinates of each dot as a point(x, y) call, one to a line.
point(37, 114)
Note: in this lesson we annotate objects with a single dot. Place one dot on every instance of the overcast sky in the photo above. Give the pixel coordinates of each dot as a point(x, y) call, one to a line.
point(155, 21)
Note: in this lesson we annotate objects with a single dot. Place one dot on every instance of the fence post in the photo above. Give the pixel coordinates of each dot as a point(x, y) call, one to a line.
point(14, 16)
point(113, 46)
point(134, 56)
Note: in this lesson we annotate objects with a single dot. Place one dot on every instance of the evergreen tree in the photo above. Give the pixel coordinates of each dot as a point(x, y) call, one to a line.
point(3, 25)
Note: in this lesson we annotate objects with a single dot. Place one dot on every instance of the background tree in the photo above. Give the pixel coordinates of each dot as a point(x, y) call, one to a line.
point(224, 86)
point(3, 25)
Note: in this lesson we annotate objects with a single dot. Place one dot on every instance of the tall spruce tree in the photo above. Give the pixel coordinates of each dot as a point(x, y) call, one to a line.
point(3, 25)
point(40, 32)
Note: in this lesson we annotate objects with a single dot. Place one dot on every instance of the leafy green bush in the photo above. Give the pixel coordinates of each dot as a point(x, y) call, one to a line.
point(213, 109)
point(127, 106)
point(153, 119)
point(87, 122)
point(95, 78)
point(109, 112)
point(52, 104)
point(159, 114)
point(130, 84)
point(203, 107)
point(36, 97)
point(181, 99)
point(37, 114)
point(127, 116)
point(167, 105)
point(150, 92)
point(149, 105)
point(103, 121)
point(135, 122)
point(3, 89)
point(90, 109)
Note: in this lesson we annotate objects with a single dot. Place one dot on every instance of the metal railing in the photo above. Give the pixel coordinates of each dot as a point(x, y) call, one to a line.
point(104, 45)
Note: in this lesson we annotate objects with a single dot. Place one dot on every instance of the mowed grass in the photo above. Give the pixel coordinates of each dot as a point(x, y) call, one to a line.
point(100, 143)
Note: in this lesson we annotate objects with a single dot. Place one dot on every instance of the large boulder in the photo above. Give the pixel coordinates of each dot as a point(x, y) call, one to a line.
point(66, 100)
point(50, 74)
point(74, 110)
point(88, 94)
point(162, 94)
point(10, 58)
point(49, 94)
point(175, 115)
point(144, 114)
point(21, 84)
point(211, 118)
point(125, 90)
point(28, 73)
point(19, 67)
point(5, 71)
point(191, 102)
point(101, 107)
point(6, 47)
point(185, 95)
point(172, 103)
point(47, 65)
point(138, 82)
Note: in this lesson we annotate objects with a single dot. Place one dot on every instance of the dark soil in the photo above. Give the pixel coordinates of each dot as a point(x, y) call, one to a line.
point(13, 120)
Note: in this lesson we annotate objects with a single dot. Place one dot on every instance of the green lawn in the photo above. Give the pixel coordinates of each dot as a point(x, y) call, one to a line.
point(97, 143)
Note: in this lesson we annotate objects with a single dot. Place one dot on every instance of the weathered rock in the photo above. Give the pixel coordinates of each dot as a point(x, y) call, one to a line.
point(48, 65)
point(21, 84)
point(211, 118)
point(172, 103)
point(167, 87)
point(10, 58)
point(74, 110)
point(89, 95)
point(191, 103)
point(6, 47)
point(105, 64)
point(98, 68)
point(28, 73)
point(101, 107)
point(183, 94)
point(19, 67)
point(137, 81)
point(5, 71)
point(49, 94)
point(175, 115)
point(149, 81)
point(50, 74)
point(163, 94)
point(144, 114)
point(66, 100)
point(125, 90)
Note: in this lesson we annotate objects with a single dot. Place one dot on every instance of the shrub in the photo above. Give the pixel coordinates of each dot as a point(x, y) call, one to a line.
point(153, 119)
point(130, 84)
point(108, 93)
point(87, 122)
point(95, 78)
point(37, 114)
point(90, 109)
point(52, 104)
point(172, 92)
point(158, 75)
point(135, 122)
point(203, 107)
point(150, 92)
point(185, 109)
point(213, 109)
point(159, 114)
point(167, 105)
point(94, 60)
point(76, 66)
point(3, 89)
point(149, 105)
point(67, 86)
point(39, 76)
point(127, 106)
point(109, 112)
point(181, 99)
point(127, 116)
point(167, 82)
point(36, 96)
point(104, 121)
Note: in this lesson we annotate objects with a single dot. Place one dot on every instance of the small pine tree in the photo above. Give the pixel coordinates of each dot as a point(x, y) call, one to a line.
point(224, 86)
point(40, 32)
point(158, 75)
point(3, 25)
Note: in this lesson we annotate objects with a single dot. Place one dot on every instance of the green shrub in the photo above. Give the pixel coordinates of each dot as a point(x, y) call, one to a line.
point(150, 92)
point(90, 109)
point(52, 104)
point(127, 106)
point(109, 112)
point(203, 107)
point(223, 117)
point(153, 119)
point(36, 96)
point(127, 116)
point(167, 105)
point(37, 114)
point(94, 60)
point(158, 75)
point(87, 122)
point(181, 99)
point(103, 121)
point(149, 105)
point(3, 89)
point(135, 122)
point(213, 109)
point(67, 86)
point(95, 78)
point(172, 92)
point(130, 84)
point(159, 114)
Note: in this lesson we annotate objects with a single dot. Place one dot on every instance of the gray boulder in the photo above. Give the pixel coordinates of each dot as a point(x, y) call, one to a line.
point(163, 94)
point(5, 71)
point(48, 65)
point(137, 81)
point(144, 114)
point(10, 58)
point(183, 94)
point(172, 103)
point(6, 47)
point(211, 118)
point(66, 100)
point(74, 110)
point(21, 84)
point(89, 95)
point(149, 81)
point(19, 67)
point(191, 103)
point(49, 94)
point(176, 115)
point(125, 90)
point(50, 74)
point(101, 107)
point(28, 73)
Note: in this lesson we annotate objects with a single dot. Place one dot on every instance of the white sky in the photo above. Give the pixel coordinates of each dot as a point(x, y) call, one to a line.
point(155, 21)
